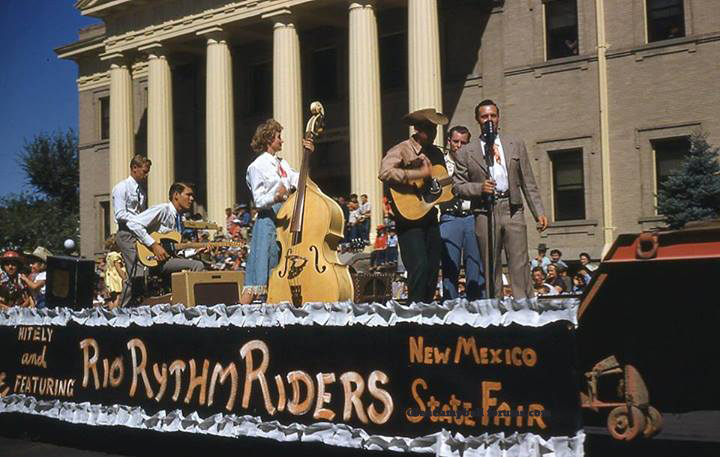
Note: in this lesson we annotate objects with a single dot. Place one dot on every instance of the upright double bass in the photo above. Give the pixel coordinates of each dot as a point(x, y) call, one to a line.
point(309, 229)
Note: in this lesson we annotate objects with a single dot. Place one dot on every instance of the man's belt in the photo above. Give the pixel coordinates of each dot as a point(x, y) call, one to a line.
point(505, 194)
point(457, 213)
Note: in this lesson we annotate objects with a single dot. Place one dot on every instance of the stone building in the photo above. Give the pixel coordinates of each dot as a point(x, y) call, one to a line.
point(604, 93)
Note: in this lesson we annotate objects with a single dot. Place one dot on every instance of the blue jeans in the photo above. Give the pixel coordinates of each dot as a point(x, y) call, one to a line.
point(264, 252)
point(458, 235)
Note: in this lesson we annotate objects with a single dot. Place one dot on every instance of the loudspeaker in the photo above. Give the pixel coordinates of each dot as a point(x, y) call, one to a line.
point(207, 287)
point(372, 287)
point(70, 282)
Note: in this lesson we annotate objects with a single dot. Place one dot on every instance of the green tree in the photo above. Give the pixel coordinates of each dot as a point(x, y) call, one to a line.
point(27, 222)
point(692, 192)
point(51, 214)
point(52, 166)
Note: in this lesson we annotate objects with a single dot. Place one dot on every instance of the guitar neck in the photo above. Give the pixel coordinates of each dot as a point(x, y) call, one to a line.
point(445, 181)
point(211, 244)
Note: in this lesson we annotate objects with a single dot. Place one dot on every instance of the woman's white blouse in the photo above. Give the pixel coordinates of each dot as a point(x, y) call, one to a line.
point(264, 176)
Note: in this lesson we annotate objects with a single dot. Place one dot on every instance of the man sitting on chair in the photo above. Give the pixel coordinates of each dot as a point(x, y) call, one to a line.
point(163, 218)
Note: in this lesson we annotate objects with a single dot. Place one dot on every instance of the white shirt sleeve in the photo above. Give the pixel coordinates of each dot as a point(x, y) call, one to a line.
point(263, 191)
point(293, 176)
point(151, 217)
point(119, 201)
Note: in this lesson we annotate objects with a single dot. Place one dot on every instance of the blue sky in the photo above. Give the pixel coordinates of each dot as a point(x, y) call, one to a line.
point(37, 90)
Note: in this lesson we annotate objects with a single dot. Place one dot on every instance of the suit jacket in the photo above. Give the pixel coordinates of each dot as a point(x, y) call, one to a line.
point(471, 171)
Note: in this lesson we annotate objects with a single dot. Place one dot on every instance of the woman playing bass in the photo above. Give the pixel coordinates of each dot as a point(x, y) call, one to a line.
point(270, 180)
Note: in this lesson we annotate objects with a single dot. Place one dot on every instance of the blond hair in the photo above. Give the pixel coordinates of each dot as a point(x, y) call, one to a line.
point(111, 243)
point(264, 135)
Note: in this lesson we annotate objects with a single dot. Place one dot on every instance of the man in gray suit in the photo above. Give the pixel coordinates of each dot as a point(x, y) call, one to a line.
point(510, 176)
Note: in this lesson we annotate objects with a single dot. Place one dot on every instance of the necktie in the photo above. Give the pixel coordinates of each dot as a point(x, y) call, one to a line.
point(178, 223)
point(498, 157)
point(281, 171)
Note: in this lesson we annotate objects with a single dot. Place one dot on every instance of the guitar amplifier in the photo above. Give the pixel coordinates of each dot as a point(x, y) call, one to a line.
point(207, 287)
point(372, 287)
point(70, 282)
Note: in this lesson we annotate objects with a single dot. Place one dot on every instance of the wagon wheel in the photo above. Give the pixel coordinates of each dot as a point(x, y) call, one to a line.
point(654, 423)
point(626, 422)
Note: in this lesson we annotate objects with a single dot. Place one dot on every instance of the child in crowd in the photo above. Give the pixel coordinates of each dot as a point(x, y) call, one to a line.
point(115, 274)
point(38, 276)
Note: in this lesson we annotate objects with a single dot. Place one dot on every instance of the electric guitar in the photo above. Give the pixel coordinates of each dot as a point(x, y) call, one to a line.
point(414, 200)
point(170, 241)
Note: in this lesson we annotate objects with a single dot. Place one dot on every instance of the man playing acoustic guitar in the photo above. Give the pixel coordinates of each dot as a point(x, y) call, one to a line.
point(419, 239)
point(163, 218)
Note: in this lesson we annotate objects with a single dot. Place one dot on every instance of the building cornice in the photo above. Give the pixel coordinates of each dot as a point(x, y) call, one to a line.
point(100, 8)
point(73, 50)
point(94, 81)
point(191, 24)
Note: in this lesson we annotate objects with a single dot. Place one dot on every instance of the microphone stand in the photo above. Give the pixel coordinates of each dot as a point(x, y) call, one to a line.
point(489, 138)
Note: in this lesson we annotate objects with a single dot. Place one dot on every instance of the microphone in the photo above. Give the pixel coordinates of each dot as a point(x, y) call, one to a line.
point(489, 132)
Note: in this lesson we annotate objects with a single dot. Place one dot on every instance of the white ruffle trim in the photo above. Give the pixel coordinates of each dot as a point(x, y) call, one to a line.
point(442, 443)
point(479, 313)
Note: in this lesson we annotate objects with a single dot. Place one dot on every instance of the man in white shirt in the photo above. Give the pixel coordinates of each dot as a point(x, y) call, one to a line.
point(457, 229)
point(166, 217)
point(509, 179)
point(129, 198)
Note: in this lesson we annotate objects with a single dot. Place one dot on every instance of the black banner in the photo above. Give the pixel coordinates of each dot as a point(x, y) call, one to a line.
point(404, 380)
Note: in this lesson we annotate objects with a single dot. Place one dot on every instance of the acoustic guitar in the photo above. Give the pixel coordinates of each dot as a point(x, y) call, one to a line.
point(170, 241)
point(414, 200)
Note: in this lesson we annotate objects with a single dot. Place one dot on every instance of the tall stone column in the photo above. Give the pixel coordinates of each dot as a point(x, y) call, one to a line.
point(160, 124)
point(122, 139)
point(219, 127)
point(424, 75)
point(287, 90)
point(365, 113)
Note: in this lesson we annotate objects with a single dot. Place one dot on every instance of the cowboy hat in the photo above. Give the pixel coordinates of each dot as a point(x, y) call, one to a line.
point(40, 253)
point(425, 116)
point(12, 256)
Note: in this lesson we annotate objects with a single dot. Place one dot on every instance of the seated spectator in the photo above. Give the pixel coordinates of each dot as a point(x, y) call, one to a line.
point(243, 216)
point(12, 287)
point(586, 262)
point(563, 274)
point(38, 276)
point(556, 257)
point(554, 279)
point(579, 284)
point(586, 275)
point(541, 260)
point(539, 284)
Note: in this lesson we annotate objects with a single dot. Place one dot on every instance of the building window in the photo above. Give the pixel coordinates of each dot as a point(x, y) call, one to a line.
point(104, 217)
point(561, 28)
point(104, 118)
point(325, 77)
point(665, 19)
point(669, 154)
point(261, 82)
point(393, 61)
point(568, 185)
